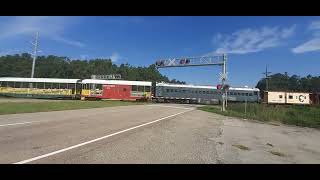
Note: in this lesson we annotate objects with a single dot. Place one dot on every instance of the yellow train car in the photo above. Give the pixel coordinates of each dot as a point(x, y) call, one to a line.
point(43, 88)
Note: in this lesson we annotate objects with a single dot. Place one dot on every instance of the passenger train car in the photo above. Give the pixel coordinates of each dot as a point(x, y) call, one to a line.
point(202, 94)
point(52, 88)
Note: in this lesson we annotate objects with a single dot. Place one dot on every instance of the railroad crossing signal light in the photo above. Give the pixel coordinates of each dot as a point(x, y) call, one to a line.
point(184, 61)
point(160, 63)
point(226, 86)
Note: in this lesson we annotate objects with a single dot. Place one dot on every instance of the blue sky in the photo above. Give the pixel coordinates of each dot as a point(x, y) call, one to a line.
point(286, 44)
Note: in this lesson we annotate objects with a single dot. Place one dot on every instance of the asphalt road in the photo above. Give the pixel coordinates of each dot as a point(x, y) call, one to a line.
point(162, 133)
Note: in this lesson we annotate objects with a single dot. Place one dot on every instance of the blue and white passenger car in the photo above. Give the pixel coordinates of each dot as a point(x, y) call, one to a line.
point(202, 94)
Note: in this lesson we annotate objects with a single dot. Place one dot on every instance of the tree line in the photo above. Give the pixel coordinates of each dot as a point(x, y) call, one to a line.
point(294, 83)
point(19, 65)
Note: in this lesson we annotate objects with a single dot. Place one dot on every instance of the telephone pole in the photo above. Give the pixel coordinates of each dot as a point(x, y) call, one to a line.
point(35, 45)
point(267, 77)
point(35, 50)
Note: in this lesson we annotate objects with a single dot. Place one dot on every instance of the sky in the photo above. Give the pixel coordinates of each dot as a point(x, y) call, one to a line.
point(285, 44)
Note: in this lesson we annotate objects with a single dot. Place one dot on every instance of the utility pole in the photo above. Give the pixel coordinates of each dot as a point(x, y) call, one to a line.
point(35, 50)
point(223, 79)
point(266, 77)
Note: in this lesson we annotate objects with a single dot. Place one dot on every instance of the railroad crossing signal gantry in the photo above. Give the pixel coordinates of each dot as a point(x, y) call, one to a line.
point(219, 59)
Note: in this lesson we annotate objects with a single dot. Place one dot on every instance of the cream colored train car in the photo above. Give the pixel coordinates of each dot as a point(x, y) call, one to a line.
point(274, 97)
point(286, 97)
point(297, 98)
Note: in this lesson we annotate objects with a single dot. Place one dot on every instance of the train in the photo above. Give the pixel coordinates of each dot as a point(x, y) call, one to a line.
point(96, 89)
point(283, 97)
point(88, 89)
point(85, 89)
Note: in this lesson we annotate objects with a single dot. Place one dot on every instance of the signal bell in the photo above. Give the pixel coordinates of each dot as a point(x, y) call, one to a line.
point(184, 61)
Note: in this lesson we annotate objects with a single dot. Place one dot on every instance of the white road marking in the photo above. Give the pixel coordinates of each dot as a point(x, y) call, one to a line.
point(1, 125)
point(98, 139)
point(170, 106)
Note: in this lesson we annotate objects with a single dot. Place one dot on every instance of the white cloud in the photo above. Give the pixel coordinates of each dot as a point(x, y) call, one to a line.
point(49, 27)
point(252, 40)
point(115, 57)
point(67, 41)
point(314, 25)
point(312, 44)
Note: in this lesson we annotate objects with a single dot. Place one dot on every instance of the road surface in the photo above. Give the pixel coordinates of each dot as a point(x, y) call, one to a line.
point(158, 133)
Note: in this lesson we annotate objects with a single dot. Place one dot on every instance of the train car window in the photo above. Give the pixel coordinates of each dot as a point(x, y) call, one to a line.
point(255, 93)
point(242, 94)
point(207, 92)
point(250, 94)
point(184, 91)
point(175, 90)
point(204, 92)
point(124, 89)
point(280, 96)
point(134, 88)
point(147, 88)
point(290, 97)
point(200, 92)
point(140, 88)
point(63, 86)
point(171, 90)
point(247, 94)
point(168, 90)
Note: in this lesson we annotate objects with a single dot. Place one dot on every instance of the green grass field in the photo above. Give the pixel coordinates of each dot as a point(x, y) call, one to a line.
point(307, 116)
point(29, 107)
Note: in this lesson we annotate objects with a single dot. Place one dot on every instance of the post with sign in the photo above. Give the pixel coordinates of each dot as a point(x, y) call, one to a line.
point(223, 79)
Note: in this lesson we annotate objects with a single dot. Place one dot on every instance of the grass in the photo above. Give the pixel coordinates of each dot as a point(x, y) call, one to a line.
point(306, 116)
point(30, 107)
